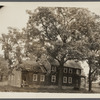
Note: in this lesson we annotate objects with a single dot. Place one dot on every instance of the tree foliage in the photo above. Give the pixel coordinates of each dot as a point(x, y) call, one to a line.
point(68, 33)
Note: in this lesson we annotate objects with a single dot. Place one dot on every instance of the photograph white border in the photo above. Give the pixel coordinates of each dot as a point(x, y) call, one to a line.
point(92, 5)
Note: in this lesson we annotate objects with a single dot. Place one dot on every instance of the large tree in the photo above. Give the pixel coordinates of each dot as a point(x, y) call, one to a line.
point(63, 32)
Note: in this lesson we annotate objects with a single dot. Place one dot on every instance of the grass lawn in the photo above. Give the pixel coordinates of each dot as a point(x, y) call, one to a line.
point(96, 89)
point(27, 89)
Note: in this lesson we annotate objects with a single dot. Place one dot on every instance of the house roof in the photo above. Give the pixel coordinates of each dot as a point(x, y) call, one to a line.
point(69, 63)
point(73, 64)
point(53, 61)
point(28, 64)
point(31, 65)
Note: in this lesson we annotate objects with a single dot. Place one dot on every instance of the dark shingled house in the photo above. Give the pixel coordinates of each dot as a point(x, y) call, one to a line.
point(31, 73)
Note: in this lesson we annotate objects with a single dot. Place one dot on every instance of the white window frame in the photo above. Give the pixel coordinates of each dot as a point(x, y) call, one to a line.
point(53, 68)
point(77, 71)
point(64, 79)
point(69, 79)
point(35, 79)
point(42, 78)
point(65, 70)
point(70, 70)
point(53, 78)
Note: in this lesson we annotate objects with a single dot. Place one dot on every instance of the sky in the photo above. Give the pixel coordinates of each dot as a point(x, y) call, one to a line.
point(14, 13)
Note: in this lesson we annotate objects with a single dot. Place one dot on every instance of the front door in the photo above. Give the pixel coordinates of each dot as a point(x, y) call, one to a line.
point(77, 83)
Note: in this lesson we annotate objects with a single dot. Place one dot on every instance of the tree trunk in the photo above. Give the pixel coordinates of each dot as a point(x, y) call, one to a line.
point(60, 77)
point(90, 83)
point(1, 77)
point(89, 79)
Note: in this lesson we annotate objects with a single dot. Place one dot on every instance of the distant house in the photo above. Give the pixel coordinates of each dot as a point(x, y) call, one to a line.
point(31, 73)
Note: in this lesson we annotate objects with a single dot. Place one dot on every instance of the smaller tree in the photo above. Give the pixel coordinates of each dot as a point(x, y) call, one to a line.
point(91, 51)
point(3, 68)
point(12, 45)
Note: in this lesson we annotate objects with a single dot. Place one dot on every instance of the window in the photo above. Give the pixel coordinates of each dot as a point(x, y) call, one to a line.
point(53, 68)
point(34, 77)
point(42, 78)
point(53, 78)
point(78, 71)
point(70, 80)
point(70, 70)
point(64, 79)
point(65, 70)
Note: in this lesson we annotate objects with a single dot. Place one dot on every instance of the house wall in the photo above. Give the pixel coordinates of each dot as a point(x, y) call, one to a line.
point(14, 79)
point(83, 82)
point(73, 75)
point(28, 77)
point(50, 82)
point(17, 77)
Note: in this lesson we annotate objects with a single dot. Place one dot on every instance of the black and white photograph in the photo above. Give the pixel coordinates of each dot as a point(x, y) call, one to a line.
point(50, 47)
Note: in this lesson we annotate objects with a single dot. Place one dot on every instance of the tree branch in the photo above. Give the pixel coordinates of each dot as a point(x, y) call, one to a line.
point(93, 71)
